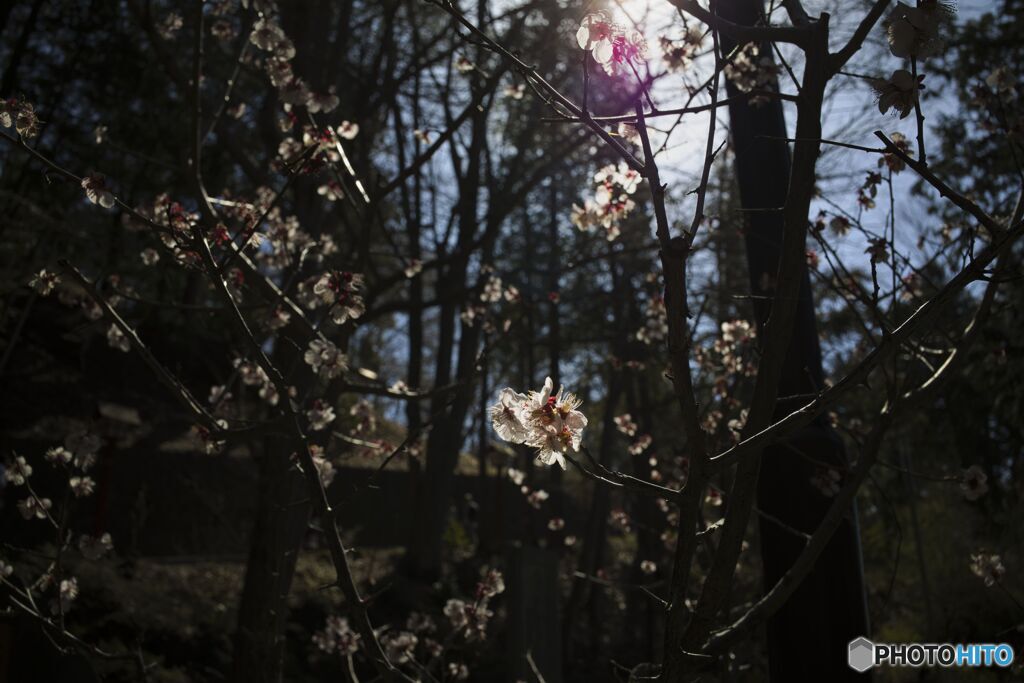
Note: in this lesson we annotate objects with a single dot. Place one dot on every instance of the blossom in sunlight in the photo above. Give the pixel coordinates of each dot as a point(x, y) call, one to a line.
point(338, 289)
point(347, 130)
point(266, 35)
point(463, 65)
point(596, 33)
point(973, 483)
point(628, 48)
point(95, 186)
point(899, 92)
point(325, 358)
point(611, 203)
point(506, 419)
point(988, 568)
point(549, 422)
point(913, 31)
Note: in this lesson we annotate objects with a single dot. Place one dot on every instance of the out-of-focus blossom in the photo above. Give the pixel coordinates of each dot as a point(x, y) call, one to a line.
point(337, 637)
point(973, 483)
point(320, 415)
point(625, 424)
point(987, 567)
point(93, 548)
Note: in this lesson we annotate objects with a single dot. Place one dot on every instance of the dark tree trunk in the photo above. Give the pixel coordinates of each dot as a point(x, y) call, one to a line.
point(282, 516)
point(808, 637)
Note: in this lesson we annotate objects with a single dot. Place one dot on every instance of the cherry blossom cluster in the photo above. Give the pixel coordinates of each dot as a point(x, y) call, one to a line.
point(337, 637)
point(611, 203)
point(268, 36)
point(338, 290)
point(491, 293)
point(611, 45)
point(20, 114)
point(549, 422)
point(418, 642)
point(655, 327)
point(730, 353)
point(74, 458)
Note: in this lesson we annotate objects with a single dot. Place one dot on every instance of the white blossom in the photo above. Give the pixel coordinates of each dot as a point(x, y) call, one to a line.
point(989, 568)
point(326, 360)
point(18, 471)
point(44, 282)
point(320, 415)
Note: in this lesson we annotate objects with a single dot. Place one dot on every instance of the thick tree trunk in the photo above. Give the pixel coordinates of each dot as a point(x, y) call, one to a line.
point(807, 638)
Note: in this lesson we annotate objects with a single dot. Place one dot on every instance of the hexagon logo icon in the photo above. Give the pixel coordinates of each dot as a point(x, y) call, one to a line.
point(861, 654)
